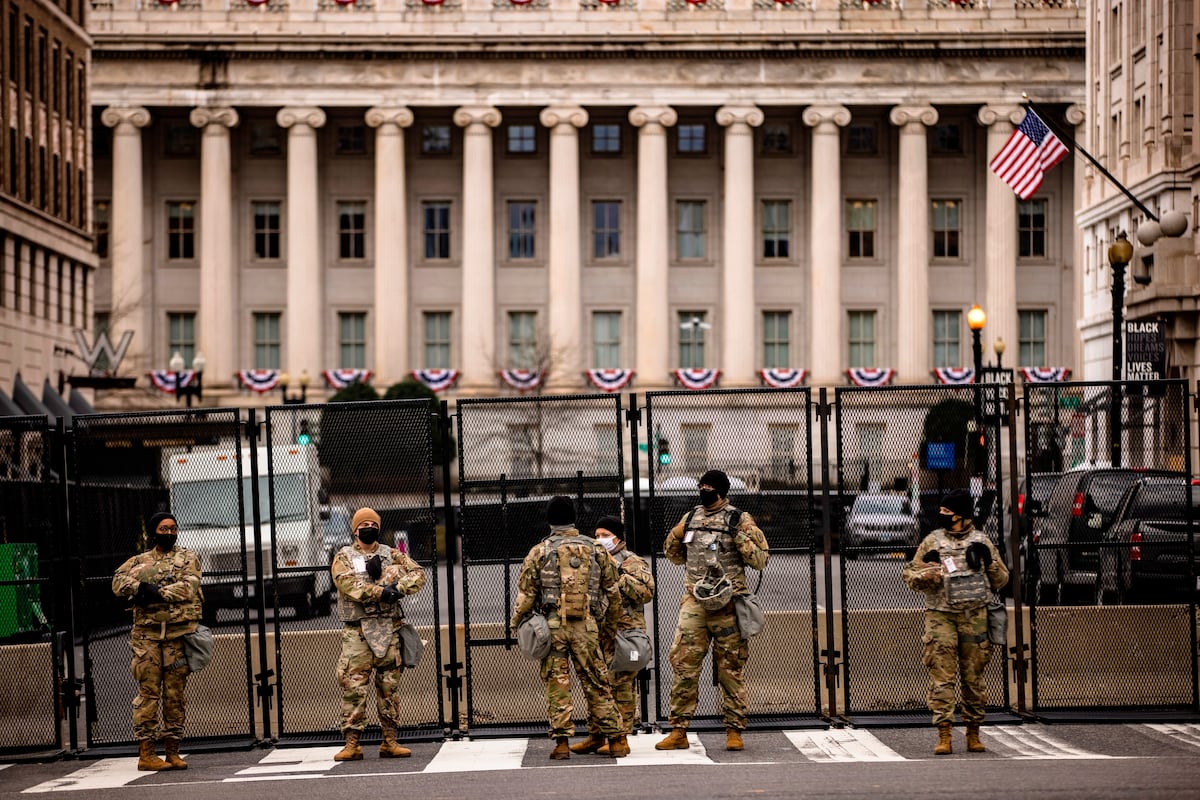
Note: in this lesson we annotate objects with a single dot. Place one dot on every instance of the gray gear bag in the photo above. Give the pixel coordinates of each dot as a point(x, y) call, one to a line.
point(533, 637)
point(411, 646)
point(198, 648)
point(749, 613)
point(632, 652)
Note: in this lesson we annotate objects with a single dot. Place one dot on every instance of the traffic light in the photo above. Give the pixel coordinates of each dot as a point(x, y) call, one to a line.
point(303, 437)
point(664, 452)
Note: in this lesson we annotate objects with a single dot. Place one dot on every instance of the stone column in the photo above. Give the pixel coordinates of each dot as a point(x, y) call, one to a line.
point(305, 322)
point(912, 325)
point(217, 337)
point(653, 339)
point(391, 310)
point(826, 345)
point(479, 360)
point(1000, 270)
point(739, 358)
point(130, 311)
point(566, 296)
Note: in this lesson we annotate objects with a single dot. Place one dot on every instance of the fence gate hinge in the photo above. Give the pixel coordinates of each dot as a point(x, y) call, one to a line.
point(633, 416)
point(831, 668)
point(824, 409)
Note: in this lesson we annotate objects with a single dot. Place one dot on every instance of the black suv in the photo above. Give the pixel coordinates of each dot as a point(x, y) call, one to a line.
point(1146, 554)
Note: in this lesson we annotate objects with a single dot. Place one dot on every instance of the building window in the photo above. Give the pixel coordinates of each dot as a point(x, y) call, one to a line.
point(606, 139)
point(181, 336)
point(435, 140)
point(860, 225)
point(606, 340)
point(352, 340)
point(266, 341)
point(521, 229)
point(181, 231)
point(692, 330)
point(689, 228)
point(522, 139)
point(266, 230)
point(776, 139)
point(1031, 230)
point(608, 448)
point(861, 140)
point(351, 140)
point(265, 139)
point(690, 139)
point(352, 235)
point(606, 230)
point(783, 452)
point(946, 139)
point(1032, 350)
point(777, 228)
point(862, 339)
point(522, 340)
point(695, 448)
point(946, 220)
point(435, 221)
point(100, 225)
point(522, 451)
point(777, 339)
point(181, 140)
point(946, 328)
point(437, 340)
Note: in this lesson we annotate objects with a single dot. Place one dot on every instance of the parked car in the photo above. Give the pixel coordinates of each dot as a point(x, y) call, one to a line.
point(1065, 552)
point(1146, 551)
point(880, 519)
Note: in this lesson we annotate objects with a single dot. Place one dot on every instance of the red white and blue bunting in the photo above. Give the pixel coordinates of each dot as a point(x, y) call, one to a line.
point(696, 379)
point(523, 380)
point(164, 379)
point(436, 379)
point(609, 380)
point(258, 380)
point(1045, 374)
point(869, 376)
point(954, 375)
point(341, 378)
point(783, 378)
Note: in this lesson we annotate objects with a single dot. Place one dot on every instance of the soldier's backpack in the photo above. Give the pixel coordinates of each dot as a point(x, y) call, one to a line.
point(570, 578)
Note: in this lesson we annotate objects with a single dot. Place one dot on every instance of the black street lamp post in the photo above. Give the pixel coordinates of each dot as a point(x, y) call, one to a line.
point(194, 387)
point(976, 319)
point(1119, 255)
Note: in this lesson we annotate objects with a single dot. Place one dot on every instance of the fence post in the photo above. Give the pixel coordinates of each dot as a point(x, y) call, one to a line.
point(453, 665)
point(71, 689)
point(831, 654)
point(1020, 665)
point(265, 674)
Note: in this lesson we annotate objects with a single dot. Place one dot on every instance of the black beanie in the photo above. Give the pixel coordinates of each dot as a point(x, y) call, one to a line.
point(960, 502)
point(612, 525)
point(153, 523)
point(560, 511)
point(717, 480)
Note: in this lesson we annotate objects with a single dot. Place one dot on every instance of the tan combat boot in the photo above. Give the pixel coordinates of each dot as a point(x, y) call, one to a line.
point(173, 759)
point(592, 744)
point(148, 760)
point(973, 743)
point(676, 740)
point(618, 746)
point(388, 748)
point(944, 748)
point(352, 751)
point(561, 751)
point(733, 739)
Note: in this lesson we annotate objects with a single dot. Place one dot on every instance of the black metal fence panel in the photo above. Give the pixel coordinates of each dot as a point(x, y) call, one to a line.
point(762, 439)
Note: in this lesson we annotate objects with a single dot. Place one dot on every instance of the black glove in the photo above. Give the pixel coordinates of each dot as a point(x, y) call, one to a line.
point(978, 556)
point(148, 593)
point(932, 557)
point(374, 567)
point(390, 595)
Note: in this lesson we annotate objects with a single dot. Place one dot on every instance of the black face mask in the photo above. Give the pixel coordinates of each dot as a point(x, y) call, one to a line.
point(709, 496)
point(368, 535)
point(164, 541)
point(947, 520)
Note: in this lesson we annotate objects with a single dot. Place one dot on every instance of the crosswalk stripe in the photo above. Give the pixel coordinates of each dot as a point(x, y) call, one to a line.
point(107, 773)
point(845, 744)
point(1187, 734)
point(479, 755)
point(1030, 743)
point(298, 759)
point(642, 753)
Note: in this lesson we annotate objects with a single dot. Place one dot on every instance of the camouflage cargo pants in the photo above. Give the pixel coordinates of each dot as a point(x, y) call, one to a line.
point(159, 688)
point(624, 692)
point(578, 641)
point(355, 669)
point(956, 651)
point(696, 629)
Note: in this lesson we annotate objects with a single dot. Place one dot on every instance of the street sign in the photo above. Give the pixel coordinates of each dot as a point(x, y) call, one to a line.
point(995, 403)
point(1145, 350)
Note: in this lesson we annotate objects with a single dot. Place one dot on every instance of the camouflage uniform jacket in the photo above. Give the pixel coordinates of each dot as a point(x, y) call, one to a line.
point(748, 541)
point(359, 595)
point(636, 587)
point(176, 573)
point(928, 578)
point(529, 583)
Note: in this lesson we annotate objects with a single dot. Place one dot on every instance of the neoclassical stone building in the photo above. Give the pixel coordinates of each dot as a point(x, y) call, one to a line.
point(479, 184)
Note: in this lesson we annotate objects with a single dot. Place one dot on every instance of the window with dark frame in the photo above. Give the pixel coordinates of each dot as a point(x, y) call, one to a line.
point(352, 340)
point(435, 139)
point(267, 341)
point(690, 229)
point(435, 222)
point(946, 139)
point(521, 140)
point(776, 139)
point(776, 228)
point(265, 139)
point(181, 231)
point(181, 140)
point(692, 339)
point(861, 339)
point(606, 138)
point(521, 229)
point(266, 230)
point(351, 140)
point(1031, 228)
point(352, 230)
point(606, 229)
point(777, 339)
point(522, 340)
point(181, 335)
point(947, 328)
point(1031, 351)
point(860, 227)
point(861, 139)
point(946, 221)
point(690, 139)
point(606, 340)
point(437, 340)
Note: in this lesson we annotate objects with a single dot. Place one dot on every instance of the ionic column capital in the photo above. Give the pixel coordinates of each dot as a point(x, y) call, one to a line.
point(817, 115)
point(400, 116)
point(553, 116)
point(477, 115)
point(902, 116)
point(640, 116)
point(1076, 114)
point(740, 115)
point(311, 116)
point(137, 116)
point(203, 116)
point(991, 114)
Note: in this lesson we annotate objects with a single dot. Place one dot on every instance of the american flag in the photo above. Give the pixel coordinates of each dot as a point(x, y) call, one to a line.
point(1029, 152)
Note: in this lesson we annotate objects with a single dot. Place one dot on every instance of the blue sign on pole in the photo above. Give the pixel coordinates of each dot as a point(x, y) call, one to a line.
point(939, 455)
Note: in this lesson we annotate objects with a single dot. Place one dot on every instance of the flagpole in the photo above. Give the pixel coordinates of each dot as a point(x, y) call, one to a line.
point(1046, 118)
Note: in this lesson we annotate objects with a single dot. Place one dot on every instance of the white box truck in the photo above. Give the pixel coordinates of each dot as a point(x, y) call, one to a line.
point(204, 498)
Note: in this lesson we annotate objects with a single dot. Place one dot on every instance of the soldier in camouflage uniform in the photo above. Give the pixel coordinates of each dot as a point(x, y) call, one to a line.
point(956, 567)
point(574, 630)
point(635, 584)
point(717, 538)
point(163, 584)
point(371, 578)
